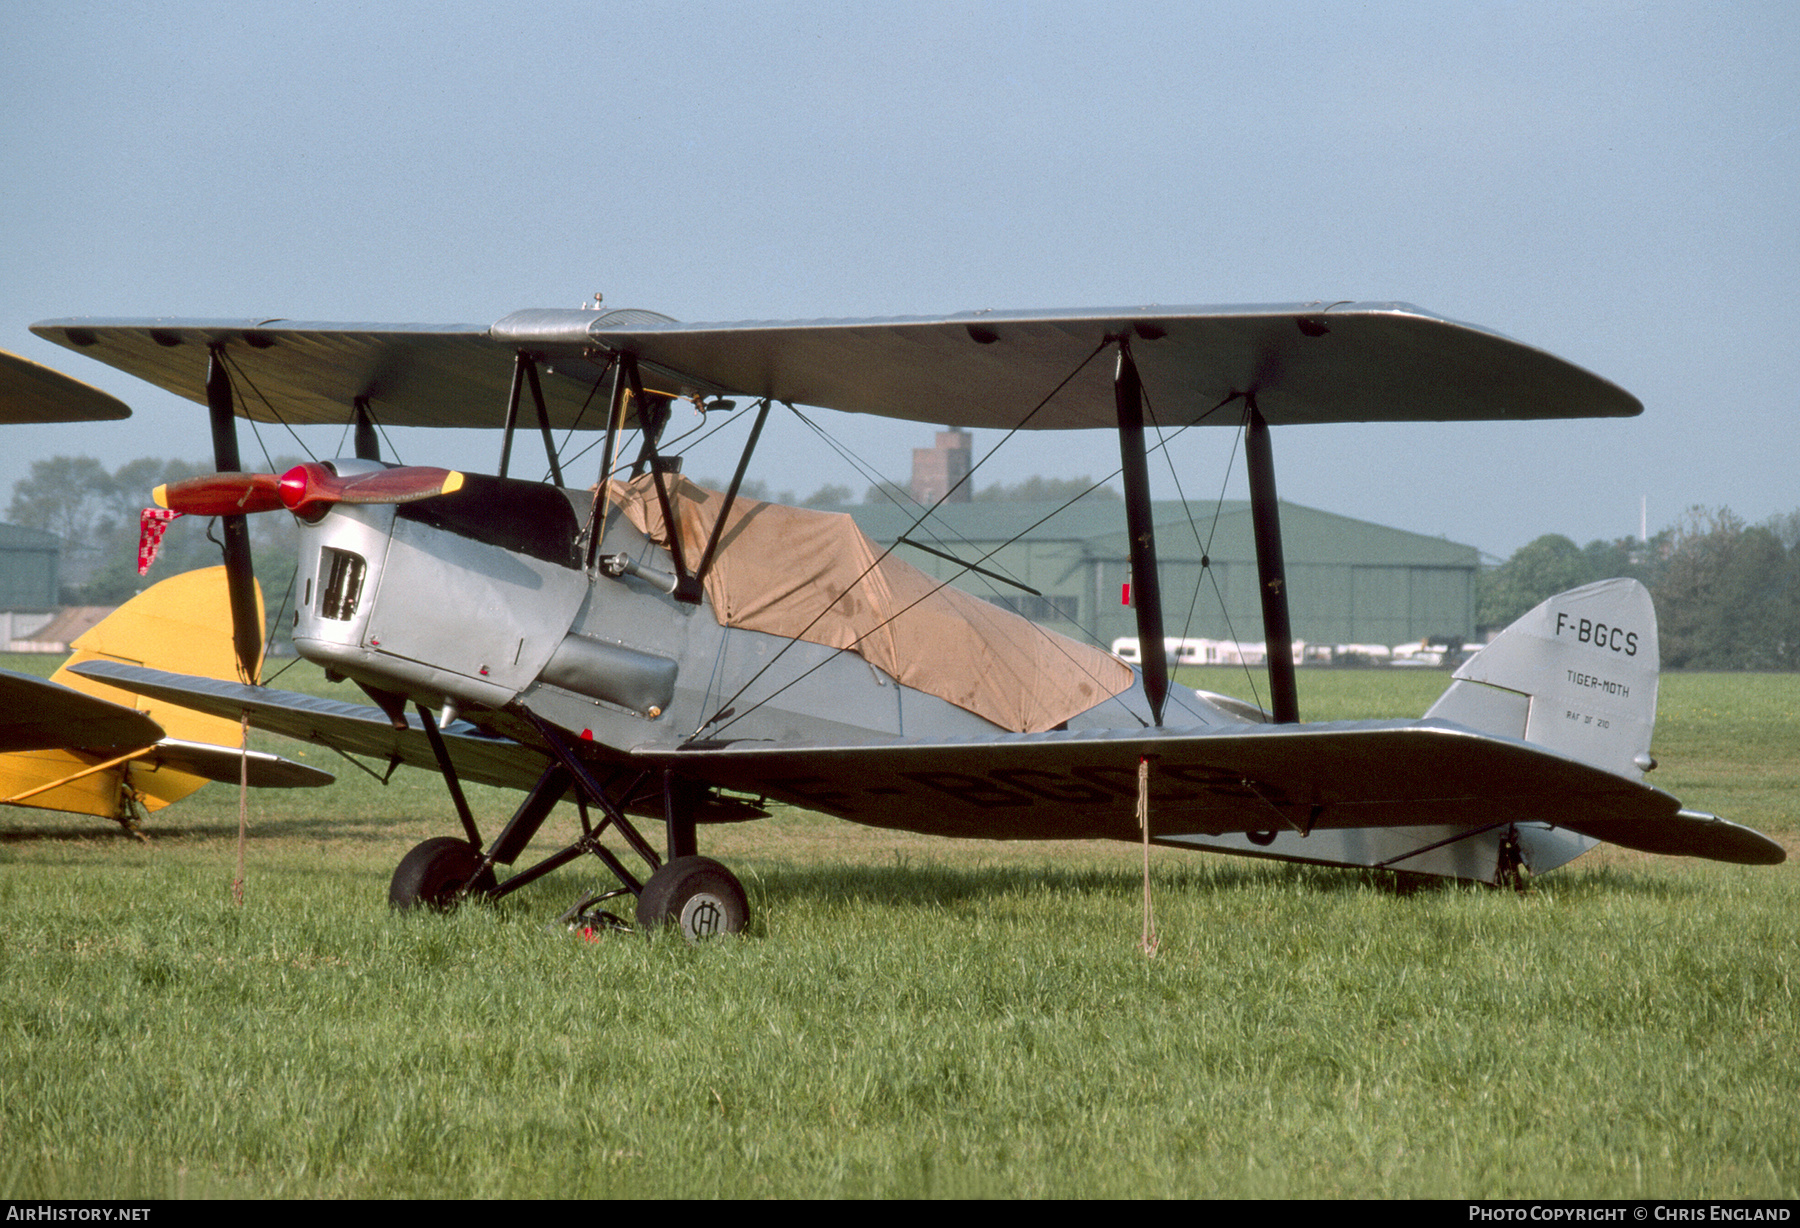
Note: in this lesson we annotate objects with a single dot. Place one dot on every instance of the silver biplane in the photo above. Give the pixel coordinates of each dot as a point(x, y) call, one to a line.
point(652, 648)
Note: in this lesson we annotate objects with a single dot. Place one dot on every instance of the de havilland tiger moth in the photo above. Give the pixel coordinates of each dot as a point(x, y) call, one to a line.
point(655, 649)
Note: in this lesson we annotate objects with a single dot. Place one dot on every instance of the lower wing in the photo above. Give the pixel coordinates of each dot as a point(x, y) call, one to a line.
point(1300, 779)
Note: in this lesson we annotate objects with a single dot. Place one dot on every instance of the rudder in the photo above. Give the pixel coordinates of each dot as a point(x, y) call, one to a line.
point(1576, 675)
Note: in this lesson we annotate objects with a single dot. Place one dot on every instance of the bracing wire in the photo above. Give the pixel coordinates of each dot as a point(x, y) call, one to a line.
point(885, 552)
point(1206, 566)
point(869, 472)
point(237, 373)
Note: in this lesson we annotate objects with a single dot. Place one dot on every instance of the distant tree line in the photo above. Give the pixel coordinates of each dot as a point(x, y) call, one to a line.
point(1727, 594)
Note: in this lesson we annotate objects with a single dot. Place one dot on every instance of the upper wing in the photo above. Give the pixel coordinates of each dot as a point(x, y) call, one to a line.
point(41, 715)
point(411, 374)
point(1305, 363)
point(31, 392)
point(356, 729)
point(1323, 777)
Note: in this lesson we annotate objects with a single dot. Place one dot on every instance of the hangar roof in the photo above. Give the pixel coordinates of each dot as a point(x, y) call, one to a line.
point(1308, 535)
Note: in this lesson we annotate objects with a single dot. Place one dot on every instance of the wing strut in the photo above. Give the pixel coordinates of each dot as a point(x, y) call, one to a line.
point(1146, 592)
point(653, 416)
point(615, 421)
point(368, 446)
point(1271, 569)
point(240, 573)
point(512, 414)
point(525, 370)
point(737, 480)
point(543, 416)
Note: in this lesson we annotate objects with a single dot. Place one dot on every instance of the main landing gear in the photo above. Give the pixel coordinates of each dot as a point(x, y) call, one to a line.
point(696, 894)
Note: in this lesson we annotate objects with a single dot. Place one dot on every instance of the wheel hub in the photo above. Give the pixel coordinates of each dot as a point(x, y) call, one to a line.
point(703, 916)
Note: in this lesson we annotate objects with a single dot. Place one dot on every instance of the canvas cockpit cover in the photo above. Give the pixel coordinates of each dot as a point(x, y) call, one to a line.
point(814, 576)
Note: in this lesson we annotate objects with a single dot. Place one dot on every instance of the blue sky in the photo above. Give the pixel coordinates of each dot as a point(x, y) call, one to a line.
point(1618, 183)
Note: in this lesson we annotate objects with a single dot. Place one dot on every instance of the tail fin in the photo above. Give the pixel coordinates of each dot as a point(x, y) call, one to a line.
point(182, 625)
point(1576, 675)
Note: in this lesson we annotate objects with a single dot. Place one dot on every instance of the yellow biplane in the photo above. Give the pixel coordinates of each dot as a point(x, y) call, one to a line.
point(65, 747)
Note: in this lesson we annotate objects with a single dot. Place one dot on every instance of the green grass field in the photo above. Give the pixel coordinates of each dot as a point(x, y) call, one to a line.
point(908, 1016)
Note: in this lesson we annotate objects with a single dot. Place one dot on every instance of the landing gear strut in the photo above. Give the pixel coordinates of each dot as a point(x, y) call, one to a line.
point(694, 893)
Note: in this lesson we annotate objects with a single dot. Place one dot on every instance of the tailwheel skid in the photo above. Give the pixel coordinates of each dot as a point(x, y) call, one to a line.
point(1509, 867)
point(131, 814)
point(697, 895)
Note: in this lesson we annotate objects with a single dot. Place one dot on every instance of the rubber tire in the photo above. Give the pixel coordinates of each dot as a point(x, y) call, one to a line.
point(696, 894)
point(429, 876)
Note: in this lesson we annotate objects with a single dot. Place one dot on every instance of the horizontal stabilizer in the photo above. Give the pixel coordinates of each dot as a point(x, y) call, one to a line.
point(224, 763)
point(1688, 833)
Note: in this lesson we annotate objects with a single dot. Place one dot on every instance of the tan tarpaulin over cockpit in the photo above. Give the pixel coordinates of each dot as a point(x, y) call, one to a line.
point(814, 576)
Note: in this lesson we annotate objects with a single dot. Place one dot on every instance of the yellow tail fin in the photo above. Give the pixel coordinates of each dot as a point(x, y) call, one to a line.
point(182, 625)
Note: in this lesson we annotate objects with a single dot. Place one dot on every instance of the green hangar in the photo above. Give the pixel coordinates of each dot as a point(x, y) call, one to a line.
point(1350, 581)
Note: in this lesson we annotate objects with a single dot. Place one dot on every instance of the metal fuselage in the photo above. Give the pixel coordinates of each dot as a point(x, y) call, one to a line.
point(481, 600)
